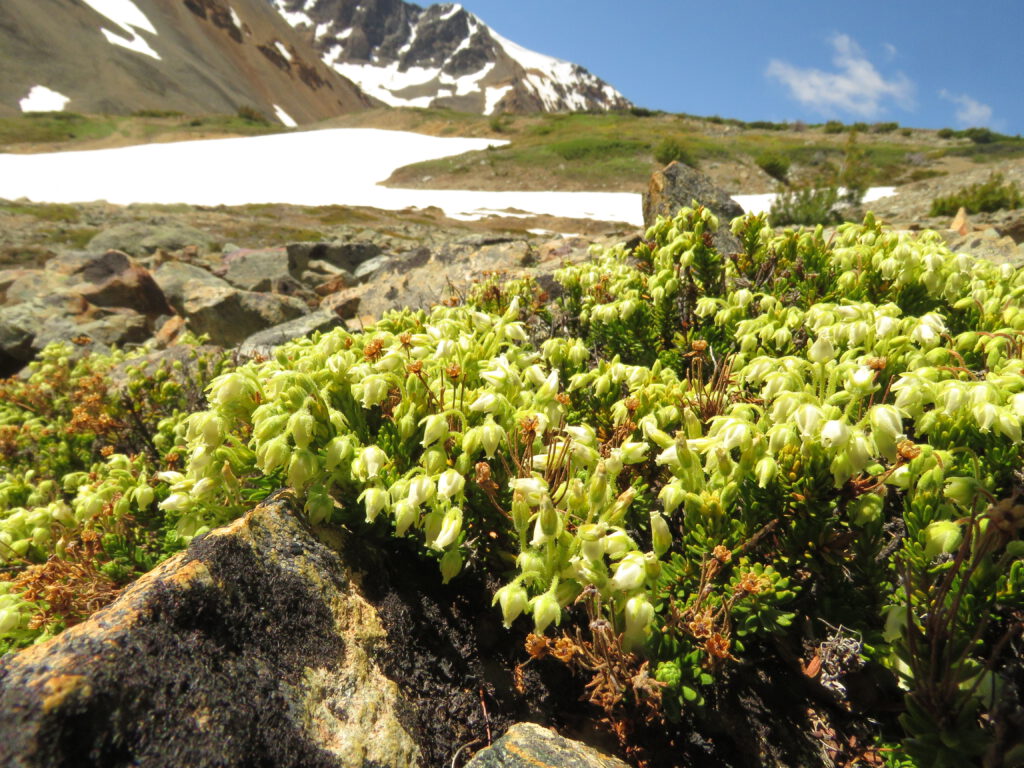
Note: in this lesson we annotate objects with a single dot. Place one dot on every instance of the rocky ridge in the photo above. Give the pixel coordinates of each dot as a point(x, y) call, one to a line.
point(442, 56)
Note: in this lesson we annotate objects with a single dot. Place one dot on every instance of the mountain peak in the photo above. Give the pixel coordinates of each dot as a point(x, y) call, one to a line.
point(441, 56)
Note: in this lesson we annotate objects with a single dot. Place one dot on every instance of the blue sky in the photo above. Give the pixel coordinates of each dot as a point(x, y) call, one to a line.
point(926, 64)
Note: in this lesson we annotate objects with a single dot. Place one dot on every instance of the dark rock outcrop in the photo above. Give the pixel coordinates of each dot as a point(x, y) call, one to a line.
point(250, 648)
point(677, 186)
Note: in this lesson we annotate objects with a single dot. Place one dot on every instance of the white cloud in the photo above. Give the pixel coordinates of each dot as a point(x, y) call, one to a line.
point(969, 112)
point(857, 87)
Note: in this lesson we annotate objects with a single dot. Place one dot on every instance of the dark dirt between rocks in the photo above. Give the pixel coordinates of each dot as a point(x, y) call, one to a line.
point(453, 660)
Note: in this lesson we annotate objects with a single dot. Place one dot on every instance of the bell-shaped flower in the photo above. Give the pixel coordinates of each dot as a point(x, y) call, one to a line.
point(634, 452)
point(451, 527)
point(630, 573)
point(421, 489)
point(886, 429)
point(450, 484)
point(491, 435)
point(534, 489)
point(671, 496)
point(639, 614)
point(821, 350)
point(435, 429)
point(661, 536)
point(545, 610)
point(374, 390)
point(835, 434)
point(808, 418)
point(765, 470)
point(376, 500)
point(513, 599)
point(942, 537)
point(371, 461)
point(487, 402)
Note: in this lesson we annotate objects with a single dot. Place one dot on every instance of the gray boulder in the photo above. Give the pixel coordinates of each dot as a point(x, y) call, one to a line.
point(677, 186)
point(253, 647)
point(173, 276)
point(138, 238)
point(230, 316)
point(526, 745)
point(344, 255)
point(263, 343)
point(264, 269)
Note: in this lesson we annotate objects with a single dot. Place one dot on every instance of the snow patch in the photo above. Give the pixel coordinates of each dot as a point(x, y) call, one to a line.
point(295, 18)
point(492, 96)
point(384, 82)
point(284, 117)
point(323, 29)
point(136, 44)
point(42, 99)
point(763, 203)
point(126, 15)
point(455, 8)
point(165, 173)
point(235, 18)
point(282, 50)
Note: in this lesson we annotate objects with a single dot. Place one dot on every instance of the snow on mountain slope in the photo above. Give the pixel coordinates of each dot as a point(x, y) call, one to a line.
point(441, 56)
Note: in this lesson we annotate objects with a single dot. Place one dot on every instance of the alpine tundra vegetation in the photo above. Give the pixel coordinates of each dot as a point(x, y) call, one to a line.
point(688, 463)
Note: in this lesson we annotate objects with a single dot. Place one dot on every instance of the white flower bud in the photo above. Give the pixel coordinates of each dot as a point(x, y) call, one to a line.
point(639, 615)
point(661, 536)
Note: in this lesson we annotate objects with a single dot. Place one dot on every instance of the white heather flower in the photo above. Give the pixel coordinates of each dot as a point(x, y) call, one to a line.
point(834, 434)
point(450, 483)
point(630, 573)
point(373, 460)
point(486, 403)
point(821, 351)
point(376, 499)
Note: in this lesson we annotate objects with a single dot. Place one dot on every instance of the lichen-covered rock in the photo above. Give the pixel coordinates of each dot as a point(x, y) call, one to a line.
point(139, 238)
point(250, 648)
point(230, 315)
point(677, 186)
point(264, 342)
point(526, 745)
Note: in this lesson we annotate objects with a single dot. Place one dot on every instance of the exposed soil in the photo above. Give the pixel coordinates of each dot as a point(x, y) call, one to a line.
point(455, 662)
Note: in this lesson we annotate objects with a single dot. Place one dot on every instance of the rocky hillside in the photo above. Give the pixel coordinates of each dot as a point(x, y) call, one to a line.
point(442, 56)
point(193, 56)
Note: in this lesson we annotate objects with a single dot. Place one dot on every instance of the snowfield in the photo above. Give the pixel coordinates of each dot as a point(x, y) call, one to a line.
point(341, 166)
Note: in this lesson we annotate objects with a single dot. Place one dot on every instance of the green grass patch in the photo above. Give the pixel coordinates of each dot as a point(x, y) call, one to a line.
point(43, 211)
point(45, 127)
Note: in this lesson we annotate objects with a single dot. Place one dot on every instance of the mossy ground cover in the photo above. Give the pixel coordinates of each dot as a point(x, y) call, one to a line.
point(695, 467)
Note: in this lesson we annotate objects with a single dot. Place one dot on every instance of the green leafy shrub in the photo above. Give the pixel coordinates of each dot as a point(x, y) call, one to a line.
point(670, 150)
point(82, 444)
point(774, 164)
point(809, 443)
point(807, 206)
point(987, 196)
point(945, 133)
point(834, 126)
point(251, 115)
point(884, 127)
